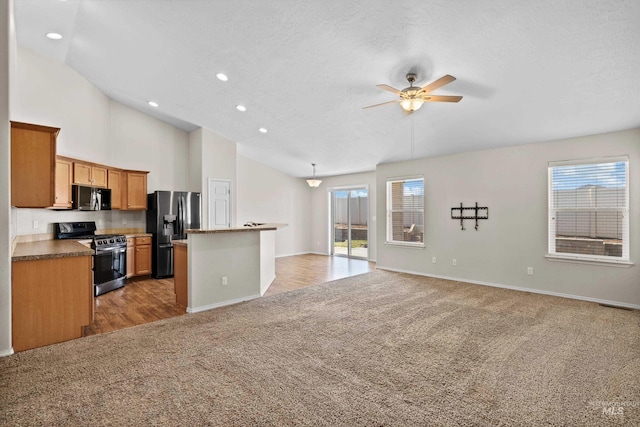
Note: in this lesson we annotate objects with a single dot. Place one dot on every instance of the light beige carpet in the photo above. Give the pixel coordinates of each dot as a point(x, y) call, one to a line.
point(377, 349)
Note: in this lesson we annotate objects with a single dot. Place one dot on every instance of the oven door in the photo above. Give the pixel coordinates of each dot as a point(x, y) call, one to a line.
point(109, 269)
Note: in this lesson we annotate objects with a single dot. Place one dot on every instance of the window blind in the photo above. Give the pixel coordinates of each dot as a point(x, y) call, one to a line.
point(589, 209)
point(405, 210)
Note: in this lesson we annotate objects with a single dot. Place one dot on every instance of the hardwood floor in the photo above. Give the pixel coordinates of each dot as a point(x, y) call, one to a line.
point(300, 271)
point(141, 300)
point(144, 300)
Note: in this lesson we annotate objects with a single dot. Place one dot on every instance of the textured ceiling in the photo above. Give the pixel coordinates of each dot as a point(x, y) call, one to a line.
point(529, 70)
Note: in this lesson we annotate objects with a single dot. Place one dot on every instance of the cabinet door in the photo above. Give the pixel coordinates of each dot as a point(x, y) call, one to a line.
point(33, 159)
point(64, 170)
point(136, 191)
point(115, 184)
point(143, 259)
point(44, 315)
point(98, 176)
point(131, 257)
point(81, 173)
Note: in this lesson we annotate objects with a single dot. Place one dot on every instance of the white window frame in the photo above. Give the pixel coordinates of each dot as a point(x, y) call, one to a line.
point(623, 260)
point(389, 226)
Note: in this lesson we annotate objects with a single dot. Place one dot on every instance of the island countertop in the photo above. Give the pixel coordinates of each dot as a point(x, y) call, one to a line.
point(259, 227)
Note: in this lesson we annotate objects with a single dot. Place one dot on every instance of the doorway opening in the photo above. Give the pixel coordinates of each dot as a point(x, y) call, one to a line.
point(350, 222)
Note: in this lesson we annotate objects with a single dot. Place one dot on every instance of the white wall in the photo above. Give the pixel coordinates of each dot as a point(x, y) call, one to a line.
point(7, 79)
point(267, 195)
point(320, 202)
point(213, 157)
point(512, 182)
point(51, 93)
point(142, 142)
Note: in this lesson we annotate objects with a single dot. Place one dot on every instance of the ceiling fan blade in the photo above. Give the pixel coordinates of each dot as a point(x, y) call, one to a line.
point(445, 80)
point(442, 98)
point(384, 103)
point(389, 88)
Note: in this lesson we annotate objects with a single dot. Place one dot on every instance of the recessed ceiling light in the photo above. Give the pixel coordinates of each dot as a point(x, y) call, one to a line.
point(263, 130)
point(54, 36)
point(241, 108)
point(222, 76)
point(153, 104)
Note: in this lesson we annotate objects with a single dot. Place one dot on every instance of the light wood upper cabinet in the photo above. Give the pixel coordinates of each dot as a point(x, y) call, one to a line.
point(64, 171)
point(135, 190)
point(114, 182)
point(89, 174)
point(33, 158)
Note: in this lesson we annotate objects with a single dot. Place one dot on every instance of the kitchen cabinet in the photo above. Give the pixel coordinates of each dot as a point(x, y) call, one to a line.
point(131, 256)
point(114, 182)
point(138, 256)
point(64, 171)
point(143, 256)
point(180, 273)
point(51, 300)
point(89, 174)
point(134, 196)
point(33, 165)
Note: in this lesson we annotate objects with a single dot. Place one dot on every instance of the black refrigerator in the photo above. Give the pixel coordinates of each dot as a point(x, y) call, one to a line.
point(169, 214)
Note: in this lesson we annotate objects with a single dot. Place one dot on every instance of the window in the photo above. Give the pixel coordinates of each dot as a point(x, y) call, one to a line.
point(405, 211)
point(589, 209)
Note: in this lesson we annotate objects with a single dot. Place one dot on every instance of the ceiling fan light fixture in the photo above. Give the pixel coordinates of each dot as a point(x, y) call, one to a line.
point(313, 182)
point(411, 105)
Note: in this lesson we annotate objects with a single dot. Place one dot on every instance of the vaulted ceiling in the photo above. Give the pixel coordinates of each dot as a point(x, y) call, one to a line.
point(529, 70)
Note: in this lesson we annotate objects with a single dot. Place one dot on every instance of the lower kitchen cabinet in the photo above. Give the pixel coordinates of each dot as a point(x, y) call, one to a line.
point(51, 300)
point(138, 256)
point(180, 273)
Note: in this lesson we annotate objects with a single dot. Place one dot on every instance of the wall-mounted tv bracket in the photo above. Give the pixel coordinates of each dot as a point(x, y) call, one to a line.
point(461, 214)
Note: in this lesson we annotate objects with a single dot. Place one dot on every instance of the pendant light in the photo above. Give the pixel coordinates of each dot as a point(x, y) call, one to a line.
point(313, 182)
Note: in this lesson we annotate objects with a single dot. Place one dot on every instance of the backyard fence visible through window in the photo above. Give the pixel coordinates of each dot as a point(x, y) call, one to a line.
point(589, 209)
point(405, 211)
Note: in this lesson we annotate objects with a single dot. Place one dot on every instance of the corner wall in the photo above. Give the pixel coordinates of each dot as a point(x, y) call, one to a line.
point(7, 61)
point(267, 195)
point(512, 182)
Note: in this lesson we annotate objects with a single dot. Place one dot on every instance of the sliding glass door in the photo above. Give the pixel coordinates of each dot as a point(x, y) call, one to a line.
point(350, 222)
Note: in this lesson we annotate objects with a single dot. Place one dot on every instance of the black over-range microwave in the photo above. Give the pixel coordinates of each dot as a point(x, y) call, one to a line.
point(87, 198)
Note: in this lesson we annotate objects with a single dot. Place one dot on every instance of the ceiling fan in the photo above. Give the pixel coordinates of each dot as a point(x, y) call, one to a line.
point(412, 97)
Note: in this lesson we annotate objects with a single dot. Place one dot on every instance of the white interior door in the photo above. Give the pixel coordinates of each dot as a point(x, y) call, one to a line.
point(219, 204)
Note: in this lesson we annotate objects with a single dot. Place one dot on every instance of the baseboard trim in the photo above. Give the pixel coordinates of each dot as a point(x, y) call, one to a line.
point(518, 288)
point(5, 353)
point(191, 310)
point(298, 253)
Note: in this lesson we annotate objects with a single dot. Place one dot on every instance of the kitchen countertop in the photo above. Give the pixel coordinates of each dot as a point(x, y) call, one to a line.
point(262, 227)
point(49, 249)
point(184, 242)
point(127, 235)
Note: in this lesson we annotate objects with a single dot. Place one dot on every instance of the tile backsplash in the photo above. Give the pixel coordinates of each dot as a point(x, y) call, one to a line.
point(24, 221)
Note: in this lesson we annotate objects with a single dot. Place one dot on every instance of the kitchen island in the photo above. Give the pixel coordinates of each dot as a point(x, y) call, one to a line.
point(225, 265)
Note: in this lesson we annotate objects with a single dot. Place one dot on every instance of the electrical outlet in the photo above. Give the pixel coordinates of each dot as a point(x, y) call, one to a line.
point(124, 220)
point(35, 224)
point(433, 260)
point(454, 262)
point(530, 271)
point(224, 281)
